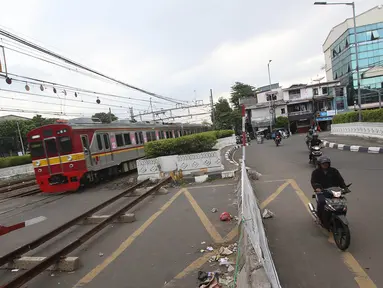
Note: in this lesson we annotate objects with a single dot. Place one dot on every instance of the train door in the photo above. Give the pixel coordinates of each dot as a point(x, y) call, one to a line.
point(53, 156)
point(109, 157)
point(86, 149)
point(100, 160)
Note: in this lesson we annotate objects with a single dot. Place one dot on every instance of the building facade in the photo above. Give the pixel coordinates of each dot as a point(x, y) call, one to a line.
point(258, 108)
point(340, 56)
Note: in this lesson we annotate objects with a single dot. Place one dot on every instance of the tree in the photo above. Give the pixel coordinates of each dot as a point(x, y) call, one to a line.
point(205, 123)
point(240, 90)
point(282, 121)
point(105, 117)
point(223, 115)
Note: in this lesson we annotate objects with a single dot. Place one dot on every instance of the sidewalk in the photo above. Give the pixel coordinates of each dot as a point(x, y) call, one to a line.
point(352, 143)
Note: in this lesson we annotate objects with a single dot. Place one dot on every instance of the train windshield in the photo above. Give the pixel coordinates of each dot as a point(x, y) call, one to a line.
point(65, 144)
point(37, 149)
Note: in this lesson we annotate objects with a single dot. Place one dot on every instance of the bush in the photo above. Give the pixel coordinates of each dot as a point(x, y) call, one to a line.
point(223, 133)
point(196, 143)
point(375, 115)
point(15, 161)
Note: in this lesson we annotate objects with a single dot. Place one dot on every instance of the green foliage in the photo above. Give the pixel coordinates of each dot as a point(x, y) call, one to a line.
point(281, 122)
point(223, 115)
point(105, 117)
point(196, 143)
point(375, 115)
point(15, 161)
point(240, 90)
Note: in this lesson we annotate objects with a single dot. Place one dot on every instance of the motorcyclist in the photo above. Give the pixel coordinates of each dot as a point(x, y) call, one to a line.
point(315, 141)
point(278, 134)
point(322, 178)
point(309, 136)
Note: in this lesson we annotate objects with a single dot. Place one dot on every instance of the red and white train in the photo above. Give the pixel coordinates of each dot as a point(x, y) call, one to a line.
point(68, 155)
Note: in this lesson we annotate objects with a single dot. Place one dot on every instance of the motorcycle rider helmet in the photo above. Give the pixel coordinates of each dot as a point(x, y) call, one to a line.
point(324, 159)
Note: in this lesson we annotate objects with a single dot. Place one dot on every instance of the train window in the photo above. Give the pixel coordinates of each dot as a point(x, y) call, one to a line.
point(148, 137)
point(127, 139)
point(99, 142)
point(176, 134)
point(48, 133)
point(162, 135)
point(51, 147)
point(65, 144)
point(154, 138)
point(167, 135)
point(37, 149)
point(141, 136)
point(119, 140)
point(106, 141)
point(136, 137)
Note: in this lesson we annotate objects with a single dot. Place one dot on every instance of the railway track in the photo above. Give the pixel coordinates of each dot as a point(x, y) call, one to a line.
point(17, 186)
point(55, 257)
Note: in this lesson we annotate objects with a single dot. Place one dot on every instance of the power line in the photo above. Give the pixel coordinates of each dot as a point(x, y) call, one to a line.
point(12, 109)
point(171, 109)
point(67, 60)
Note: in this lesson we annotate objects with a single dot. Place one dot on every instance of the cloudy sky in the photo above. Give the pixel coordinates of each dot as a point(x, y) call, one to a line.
point(179, 49)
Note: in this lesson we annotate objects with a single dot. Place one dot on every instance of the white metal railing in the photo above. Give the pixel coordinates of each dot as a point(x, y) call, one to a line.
point(360, 129)
point(253, 224)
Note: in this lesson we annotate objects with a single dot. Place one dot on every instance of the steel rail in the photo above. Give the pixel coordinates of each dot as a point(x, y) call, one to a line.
point(42, 239)
point(49, 261)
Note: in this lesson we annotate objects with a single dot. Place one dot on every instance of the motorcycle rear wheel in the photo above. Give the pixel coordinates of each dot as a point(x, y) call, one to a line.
point(342, 235)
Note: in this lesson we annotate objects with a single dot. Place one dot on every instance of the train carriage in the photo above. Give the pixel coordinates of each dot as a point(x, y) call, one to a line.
point(66, 156)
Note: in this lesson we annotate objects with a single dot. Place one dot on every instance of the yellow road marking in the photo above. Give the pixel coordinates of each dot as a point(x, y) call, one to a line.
point(232, 234)
point(195, 265)
point(124, 245)
point(205, 221)
point(275, 194)
point(210, 186)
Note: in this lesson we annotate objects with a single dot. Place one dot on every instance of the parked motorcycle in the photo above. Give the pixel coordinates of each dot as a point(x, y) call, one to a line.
point(335, 213)
point(315, 153)
point(277, 140)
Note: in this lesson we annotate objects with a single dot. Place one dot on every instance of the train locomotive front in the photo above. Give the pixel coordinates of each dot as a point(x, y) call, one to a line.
point(58, 158)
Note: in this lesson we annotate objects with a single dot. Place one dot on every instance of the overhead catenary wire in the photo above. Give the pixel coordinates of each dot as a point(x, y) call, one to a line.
point(78, 65)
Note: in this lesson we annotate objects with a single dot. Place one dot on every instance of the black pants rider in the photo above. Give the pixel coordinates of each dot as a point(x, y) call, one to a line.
point(321, 202)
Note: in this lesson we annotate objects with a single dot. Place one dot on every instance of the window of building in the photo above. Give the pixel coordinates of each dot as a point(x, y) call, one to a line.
point(119, 140)
point(127, 139)
point(324, 90)
point(374, 35)
point(99, 142)
point(347, 44)
point(315, 91)
point(283, 111)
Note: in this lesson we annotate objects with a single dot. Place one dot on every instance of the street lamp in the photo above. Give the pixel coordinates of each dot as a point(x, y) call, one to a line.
point(356, 47)
point(271, 97)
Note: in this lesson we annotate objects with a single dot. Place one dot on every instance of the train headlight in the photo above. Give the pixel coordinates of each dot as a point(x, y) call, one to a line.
point(37, 163)
point(69, 158)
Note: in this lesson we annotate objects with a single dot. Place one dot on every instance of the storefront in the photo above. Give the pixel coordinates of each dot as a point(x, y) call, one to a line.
point(324, 119)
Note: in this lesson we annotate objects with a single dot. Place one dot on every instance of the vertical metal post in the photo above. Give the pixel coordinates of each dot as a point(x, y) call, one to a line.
point(380, 99)
point(151, 108)
point(271, 98)
point(110, 115)
point(243, 131)
point(212, 108)
point(357, 63)
point(21, 138)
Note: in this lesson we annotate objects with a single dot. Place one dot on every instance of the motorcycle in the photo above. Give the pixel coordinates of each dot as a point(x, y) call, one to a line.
point(315, 153)
point(335, 211)
point(277, 140)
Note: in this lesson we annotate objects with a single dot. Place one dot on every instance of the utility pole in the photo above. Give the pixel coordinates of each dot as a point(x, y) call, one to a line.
point(110, 115)
point(271, 98)
point(21, 138)
point(151, 108)
point(212, 108)
point(131, 113)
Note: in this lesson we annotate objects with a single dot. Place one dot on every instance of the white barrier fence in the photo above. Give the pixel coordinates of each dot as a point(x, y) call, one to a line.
point(254, 228)
point(361, 129)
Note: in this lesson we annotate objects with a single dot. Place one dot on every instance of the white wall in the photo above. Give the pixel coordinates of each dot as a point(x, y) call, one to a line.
point(263, 113)
point(262, 97)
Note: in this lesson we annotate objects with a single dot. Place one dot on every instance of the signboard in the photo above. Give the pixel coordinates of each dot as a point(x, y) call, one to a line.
point(324, 119)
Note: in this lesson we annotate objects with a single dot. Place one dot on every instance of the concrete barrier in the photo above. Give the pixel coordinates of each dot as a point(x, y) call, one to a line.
point(359, 129)
point(14, 171)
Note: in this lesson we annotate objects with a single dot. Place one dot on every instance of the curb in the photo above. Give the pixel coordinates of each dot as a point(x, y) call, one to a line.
point(353, 148)
point(230, 152)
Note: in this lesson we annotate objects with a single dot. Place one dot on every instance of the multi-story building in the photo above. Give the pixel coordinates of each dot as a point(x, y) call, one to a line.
point(340, 56)
point(258, 107)
point(319, 102)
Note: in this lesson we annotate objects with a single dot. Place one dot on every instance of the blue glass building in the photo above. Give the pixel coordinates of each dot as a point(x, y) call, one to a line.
point(340, 55)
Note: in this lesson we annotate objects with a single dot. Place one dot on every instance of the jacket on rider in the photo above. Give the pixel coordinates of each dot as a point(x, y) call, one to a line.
point(326, 179)
point(315, 142)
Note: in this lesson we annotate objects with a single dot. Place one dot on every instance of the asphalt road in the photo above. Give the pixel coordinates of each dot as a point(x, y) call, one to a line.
point(302, 252)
